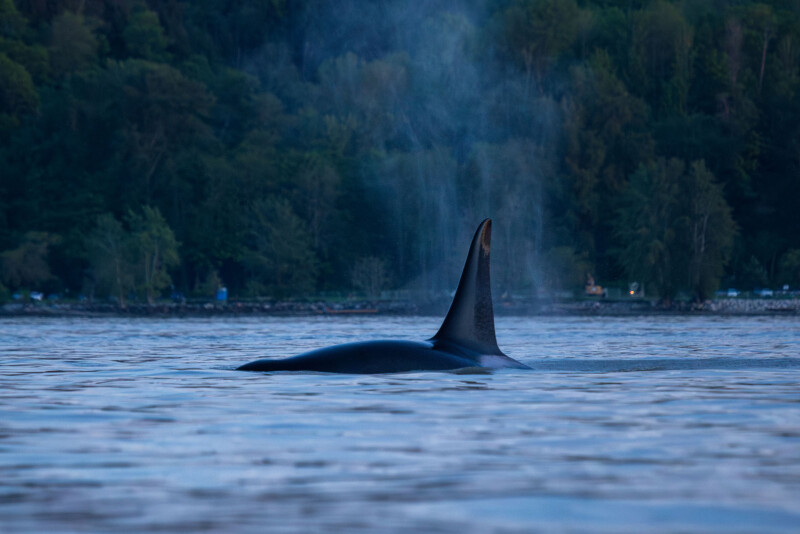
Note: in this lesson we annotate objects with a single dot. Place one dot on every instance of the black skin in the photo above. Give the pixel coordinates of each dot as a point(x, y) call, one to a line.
point(465, 339)
point(369, 357)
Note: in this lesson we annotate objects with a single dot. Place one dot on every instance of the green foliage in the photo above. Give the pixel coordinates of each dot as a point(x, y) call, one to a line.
point(661, 56)
point(155, 250)
point(272, 145)
point(675, 228)
point(538, 31)
point(12, 23)
point(710, 229)
point(607, 139)
point(111, 257)
point(281, 260)
point(790, 268)
point(751, 274)
point(143, 36)
point(136, 256)
point(73, 45)
point(369, 275)
point(35, 58)
point(565, 268)
point(18, 95)
point(647, 226)
point(26, 266)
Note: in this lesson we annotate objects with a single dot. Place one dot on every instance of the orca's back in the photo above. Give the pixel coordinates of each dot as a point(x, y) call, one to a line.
point(367, 357)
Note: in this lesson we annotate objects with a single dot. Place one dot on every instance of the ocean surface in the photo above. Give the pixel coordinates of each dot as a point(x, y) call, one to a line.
point(645, 424)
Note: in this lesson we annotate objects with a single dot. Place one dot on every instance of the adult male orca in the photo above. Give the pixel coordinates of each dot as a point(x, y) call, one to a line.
point(465, 339)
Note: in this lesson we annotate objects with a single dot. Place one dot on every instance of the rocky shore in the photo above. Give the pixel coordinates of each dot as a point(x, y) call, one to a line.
point(724, 306)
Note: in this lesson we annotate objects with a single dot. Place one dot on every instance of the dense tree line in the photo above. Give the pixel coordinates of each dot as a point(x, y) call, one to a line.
point(286, 148)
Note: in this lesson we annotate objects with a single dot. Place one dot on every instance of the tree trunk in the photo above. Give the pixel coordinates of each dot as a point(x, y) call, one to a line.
point(119, 283)
point(763, 59)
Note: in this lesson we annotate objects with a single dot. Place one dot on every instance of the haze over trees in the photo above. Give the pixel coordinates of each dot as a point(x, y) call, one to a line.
point(287, 148)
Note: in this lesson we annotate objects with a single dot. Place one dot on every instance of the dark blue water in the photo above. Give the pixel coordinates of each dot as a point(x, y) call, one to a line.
point(624, 425)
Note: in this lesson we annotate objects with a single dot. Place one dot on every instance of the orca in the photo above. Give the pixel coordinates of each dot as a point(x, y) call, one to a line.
point(466, 338)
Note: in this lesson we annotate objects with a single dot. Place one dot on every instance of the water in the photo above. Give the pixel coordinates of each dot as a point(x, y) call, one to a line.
point(624, 425)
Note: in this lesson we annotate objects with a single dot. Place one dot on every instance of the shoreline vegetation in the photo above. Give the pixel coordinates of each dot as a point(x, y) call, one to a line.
point(287, 149)
point(357, 307)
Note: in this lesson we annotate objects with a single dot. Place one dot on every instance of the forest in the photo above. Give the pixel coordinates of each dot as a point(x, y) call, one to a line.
point(288, 149)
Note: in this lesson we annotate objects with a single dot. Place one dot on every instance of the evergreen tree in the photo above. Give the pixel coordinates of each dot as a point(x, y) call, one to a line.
point(155, 251)
point(279, 142)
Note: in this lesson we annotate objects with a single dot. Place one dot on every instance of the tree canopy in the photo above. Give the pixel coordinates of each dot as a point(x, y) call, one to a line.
point(286, 148)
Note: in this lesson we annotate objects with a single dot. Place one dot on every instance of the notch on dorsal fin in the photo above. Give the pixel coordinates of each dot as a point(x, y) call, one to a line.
point(470, 321)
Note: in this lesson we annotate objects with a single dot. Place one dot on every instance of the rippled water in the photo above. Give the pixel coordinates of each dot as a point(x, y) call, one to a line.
point(624, 425)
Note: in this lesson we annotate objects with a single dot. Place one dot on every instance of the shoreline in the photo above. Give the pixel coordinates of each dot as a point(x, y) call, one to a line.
point(717, 307)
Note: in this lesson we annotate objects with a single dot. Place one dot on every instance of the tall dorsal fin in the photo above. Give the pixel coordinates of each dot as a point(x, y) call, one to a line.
point(470, 321)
